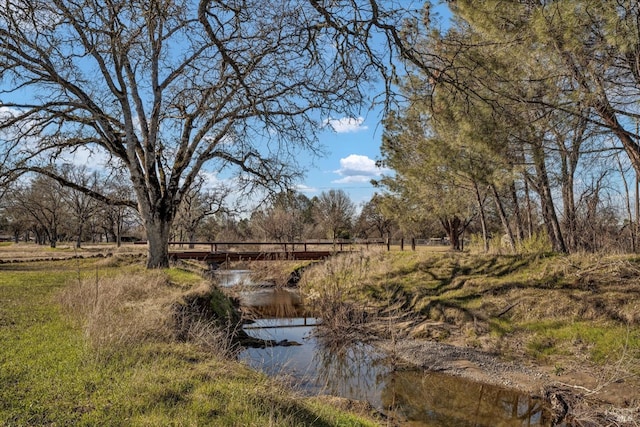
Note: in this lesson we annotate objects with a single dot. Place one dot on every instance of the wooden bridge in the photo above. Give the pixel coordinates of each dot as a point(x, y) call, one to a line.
point(220, 252)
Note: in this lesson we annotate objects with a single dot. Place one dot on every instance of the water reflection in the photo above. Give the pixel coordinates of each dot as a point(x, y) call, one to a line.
point(292, 363)
point(433, 399)
point(408, 396)
point(352, 371)
point(275, 303)
point(229, 278)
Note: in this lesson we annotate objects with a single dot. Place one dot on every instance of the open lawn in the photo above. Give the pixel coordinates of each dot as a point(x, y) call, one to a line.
point(91, 342)
point(11, 252)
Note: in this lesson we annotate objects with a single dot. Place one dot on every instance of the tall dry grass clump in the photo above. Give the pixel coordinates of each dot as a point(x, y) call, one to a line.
point(280, 273)
point(124, 310)
point(329, 289)
point(130, 309)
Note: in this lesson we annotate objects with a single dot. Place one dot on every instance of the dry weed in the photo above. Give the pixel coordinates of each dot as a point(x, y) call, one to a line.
point(281, 273)
point(131, 309)
point(214, 338)
point(331, 289)
point(121, 311)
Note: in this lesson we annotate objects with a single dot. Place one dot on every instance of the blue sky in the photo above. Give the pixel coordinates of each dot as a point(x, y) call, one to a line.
point(353, 146)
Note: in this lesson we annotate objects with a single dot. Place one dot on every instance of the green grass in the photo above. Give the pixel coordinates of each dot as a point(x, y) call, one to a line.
point(183, 277)
point(50, 375)
point(602, 343)
point(549, 305)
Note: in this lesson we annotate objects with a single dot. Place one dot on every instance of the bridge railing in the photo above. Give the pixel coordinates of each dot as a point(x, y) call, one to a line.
point(338, 245)
point(302, 246)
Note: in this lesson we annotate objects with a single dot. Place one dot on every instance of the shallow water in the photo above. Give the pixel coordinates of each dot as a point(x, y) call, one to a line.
point(412, 396)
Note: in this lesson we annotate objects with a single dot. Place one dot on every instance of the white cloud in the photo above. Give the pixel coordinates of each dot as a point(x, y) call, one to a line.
point(356, 168)
point(212, 181)
point(92, 157)
point(7, 114)
point(302, 188)
point(346, 124)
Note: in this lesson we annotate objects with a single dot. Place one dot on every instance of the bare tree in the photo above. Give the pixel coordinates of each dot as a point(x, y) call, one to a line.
point(372, 222)
point(114, 219)
point(198, 204)
point(40, 201)
point(334, 212)
point(167, 88)
point(284, 218)
point(81, 206)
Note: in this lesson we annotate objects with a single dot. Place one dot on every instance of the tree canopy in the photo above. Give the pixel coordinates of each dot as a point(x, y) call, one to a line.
point(166, 89)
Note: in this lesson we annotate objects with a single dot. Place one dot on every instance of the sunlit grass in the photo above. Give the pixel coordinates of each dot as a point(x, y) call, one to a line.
point(602, 343)
point(22, 251)
point(578, 305)
point(51, 373)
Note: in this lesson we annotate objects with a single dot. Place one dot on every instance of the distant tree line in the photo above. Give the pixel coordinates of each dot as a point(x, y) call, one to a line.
point(45, 212)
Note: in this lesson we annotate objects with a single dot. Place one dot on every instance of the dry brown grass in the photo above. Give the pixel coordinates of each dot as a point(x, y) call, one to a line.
point(280, 273)
point(330, 290)
point(138, 307)
point(22, 252)
point(124, 310)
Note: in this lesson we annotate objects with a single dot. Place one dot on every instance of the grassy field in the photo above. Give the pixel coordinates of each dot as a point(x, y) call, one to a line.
point(95, 342)
point(575, 317)
point(551, 303)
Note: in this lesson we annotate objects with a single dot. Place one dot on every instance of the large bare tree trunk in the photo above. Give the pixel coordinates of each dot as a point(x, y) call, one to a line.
point(157, 243)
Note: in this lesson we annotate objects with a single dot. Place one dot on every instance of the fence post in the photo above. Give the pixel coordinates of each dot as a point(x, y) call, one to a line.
point(413, 243)
point(388, 243)
point(402, 244)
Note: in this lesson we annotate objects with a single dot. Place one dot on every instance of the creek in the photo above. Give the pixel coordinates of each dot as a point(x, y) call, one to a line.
point(360, 372)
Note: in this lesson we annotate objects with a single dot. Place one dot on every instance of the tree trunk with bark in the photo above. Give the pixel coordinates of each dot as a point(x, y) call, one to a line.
point(157, 242)
point(483, 218)
point(452, 226)
point(503, 217)
point(516, 211)
point(543, 188)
